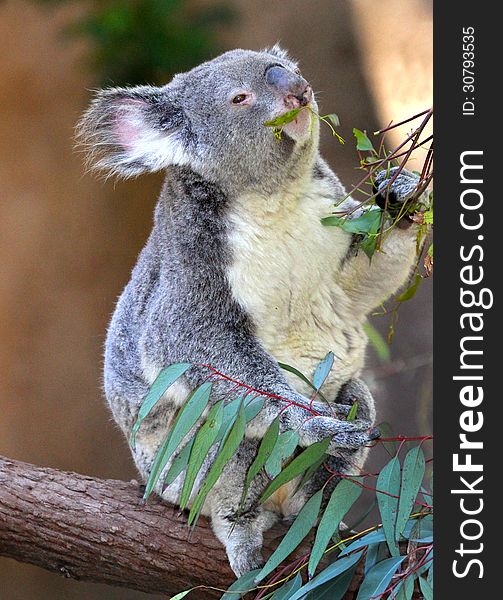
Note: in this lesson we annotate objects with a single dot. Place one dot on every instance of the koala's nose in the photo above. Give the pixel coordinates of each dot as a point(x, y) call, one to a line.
point(295, 89)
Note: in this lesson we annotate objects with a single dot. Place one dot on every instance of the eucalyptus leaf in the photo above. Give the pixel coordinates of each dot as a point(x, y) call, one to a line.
point(241, 586)
point(362, 141)
point(298, 465)
point(378, 578)
point(297, 532)
point(426, 588)
point(163, 381)
point(229, 447)
point(353, 411)
point(333, 590)
point(182, 594)
point(412, 476)
point(187, 417)
point(288, 589)
point(341, 565)
point(368, 222)
point(322, 370)
point(410, 292)
point(204, 440)
point(405, 588)
point(342, 499)
point(377, 342)
point(374, 537)
point(285, 118)
point(285, 446)
point(389, 482)
point(179, 463)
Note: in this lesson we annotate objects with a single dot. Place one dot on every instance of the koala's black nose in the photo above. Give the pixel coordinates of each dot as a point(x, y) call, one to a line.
point(290, 85)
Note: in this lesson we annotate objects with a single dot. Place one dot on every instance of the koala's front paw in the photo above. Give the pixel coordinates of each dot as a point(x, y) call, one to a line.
point(402, 189)
point(343, 434)
point(355, 390)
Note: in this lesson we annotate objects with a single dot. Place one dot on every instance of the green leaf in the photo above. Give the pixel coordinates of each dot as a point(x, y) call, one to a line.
point(412, 476)
point(352, 411)
point(204, 440)
point(419, 530)
point(265, 450)
point(182, 594)
point(410, 292)
point(377, 342)
point(333, 590)
point(285, 591)
point(378, 578)
point(365, 223)
point(374, 537)
point(267, 445)
point(285, 118)
point(362, 141)
point(298, 465)
point(283, 449)
point(298, 530)
point(179, 463)
point(372, 556)
point(187, 417)
point(229, 447)
point(405, 589)
point(163, 381)
point(308, 473)
point(341, 565)
point(244, 584)
point(389, 481)
point(322, 370)
point(342, 499)
point(430, 576)
point(426, 589)
point(231, 410)
point(302, 377)
point(428, 217)
point(333, 118)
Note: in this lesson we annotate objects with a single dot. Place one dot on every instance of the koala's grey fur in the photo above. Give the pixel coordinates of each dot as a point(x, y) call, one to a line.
point(238, 273)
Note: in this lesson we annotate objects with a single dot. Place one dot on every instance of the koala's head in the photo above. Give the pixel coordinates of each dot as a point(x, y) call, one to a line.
point(211, 118)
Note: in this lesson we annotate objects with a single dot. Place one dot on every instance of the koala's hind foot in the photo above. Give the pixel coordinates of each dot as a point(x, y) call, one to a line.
point(242, 536)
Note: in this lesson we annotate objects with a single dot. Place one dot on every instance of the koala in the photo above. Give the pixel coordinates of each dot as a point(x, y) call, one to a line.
point(239, 273)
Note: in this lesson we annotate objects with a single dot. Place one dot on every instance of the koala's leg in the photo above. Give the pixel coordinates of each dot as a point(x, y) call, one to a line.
point(240, 528)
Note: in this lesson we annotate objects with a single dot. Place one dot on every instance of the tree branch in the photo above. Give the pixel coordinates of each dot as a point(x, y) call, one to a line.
point(102, 531)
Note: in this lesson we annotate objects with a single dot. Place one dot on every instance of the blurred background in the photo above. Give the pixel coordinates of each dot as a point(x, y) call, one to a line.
point(69, 241)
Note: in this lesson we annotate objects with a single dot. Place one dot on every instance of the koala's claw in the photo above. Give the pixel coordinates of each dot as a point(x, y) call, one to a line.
point(402, 189)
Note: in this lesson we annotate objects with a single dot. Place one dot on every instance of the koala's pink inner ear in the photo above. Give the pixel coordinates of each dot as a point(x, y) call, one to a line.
point(129, 124)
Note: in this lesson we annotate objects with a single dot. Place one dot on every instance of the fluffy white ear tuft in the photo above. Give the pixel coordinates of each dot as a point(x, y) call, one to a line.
point(129, 131)
point(277, 51)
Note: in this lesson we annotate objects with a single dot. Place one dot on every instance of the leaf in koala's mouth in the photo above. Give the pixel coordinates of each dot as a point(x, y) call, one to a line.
point(285, 118)
point(280, 122)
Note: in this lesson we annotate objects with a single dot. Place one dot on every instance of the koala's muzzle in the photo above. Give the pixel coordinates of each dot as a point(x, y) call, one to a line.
point(294, 88)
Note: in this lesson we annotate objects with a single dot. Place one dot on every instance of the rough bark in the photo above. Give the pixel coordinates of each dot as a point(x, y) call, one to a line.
point(102, 531)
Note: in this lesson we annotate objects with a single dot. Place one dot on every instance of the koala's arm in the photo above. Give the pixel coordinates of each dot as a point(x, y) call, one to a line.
point(369, 282)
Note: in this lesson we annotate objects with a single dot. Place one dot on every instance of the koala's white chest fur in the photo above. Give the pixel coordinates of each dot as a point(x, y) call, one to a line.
point(284, 273)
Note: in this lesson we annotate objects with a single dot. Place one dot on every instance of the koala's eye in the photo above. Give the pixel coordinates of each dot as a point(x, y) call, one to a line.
point(240, 98)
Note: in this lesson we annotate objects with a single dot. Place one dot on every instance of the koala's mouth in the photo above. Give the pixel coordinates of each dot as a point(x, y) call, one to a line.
point(299, 129)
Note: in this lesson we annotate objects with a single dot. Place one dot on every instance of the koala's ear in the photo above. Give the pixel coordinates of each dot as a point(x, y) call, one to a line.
point(278, 52)
point(129, 131)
